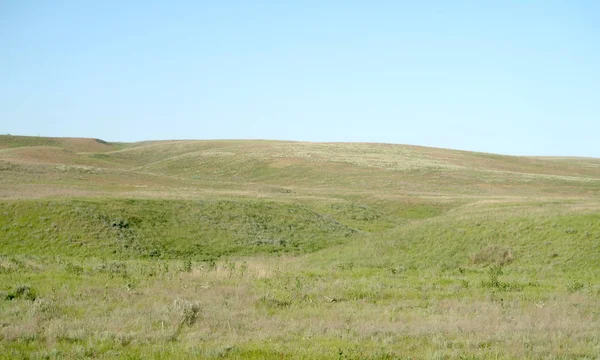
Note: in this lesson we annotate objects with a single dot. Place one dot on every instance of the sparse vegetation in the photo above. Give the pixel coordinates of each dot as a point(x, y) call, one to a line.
point(259, 250)
point(21, 292)
point(493, 254)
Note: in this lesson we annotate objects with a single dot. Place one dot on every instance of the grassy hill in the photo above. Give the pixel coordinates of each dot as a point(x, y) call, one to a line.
point(246, 166)
point(273, 249)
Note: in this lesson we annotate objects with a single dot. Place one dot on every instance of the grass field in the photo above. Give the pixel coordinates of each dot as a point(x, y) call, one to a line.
point(275, 250)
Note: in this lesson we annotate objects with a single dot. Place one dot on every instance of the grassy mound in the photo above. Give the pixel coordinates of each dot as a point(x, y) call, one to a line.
point(152, 228)
point(71, 144)
point(556, 238)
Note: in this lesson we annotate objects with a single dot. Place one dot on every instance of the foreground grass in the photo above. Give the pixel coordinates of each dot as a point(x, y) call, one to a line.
point(265, 309)
point(409, 292)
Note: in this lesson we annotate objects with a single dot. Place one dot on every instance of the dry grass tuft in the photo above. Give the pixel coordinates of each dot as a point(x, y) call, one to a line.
point(493, 255)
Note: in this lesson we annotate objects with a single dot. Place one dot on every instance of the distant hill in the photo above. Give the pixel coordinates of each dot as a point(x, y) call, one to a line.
point(72, 144)
point(399, 169)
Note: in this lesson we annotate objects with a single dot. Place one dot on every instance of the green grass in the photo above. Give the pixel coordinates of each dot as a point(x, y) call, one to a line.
point(72, 144)
point(203, 229)
point(277, 250)
point(196, 229)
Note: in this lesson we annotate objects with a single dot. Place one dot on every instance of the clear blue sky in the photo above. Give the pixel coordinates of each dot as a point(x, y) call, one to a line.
point(512, 77)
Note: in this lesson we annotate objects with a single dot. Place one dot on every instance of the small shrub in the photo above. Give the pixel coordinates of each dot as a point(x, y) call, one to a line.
point(243, 269)
point(45, 309)
point(464, 283)
point(493, 282)
point(272, 302)
point(119, 223)
point(493, 273)
point(230, 268)
point(188, 315)
point(113, 268)
point(346, 266)
point(397, 270)
point(187, 266)
point(18, 265)
point(130, 286)
point(154, 253)
point(74, 269)
point(6, 269)
point(212, 265)
point(493, 254)
point(25, 292)
point(574, 286)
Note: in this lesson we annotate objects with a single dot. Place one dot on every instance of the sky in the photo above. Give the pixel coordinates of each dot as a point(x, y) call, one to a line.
point(509, 77)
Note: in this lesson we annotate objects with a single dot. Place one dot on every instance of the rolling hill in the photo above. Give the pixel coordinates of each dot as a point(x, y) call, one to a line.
point(278, 249)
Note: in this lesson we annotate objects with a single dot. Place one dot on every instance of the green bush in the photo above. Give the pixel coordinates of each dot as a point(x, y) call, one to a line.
point(25, 292)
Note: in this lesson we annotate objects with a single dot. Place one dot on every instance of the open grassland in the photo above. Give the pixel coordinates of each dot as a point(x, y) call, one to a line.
point(268, 249)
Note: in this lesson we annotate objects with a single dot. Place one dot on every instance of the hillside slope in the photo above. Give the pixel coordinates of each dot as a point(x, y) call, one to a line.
point(183, 168)
point(363, 188)
point(287, 250)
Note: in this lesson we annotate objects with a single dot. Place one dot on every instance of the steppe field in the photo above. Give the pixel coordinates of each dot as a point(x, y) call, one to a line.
point(291, 250)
